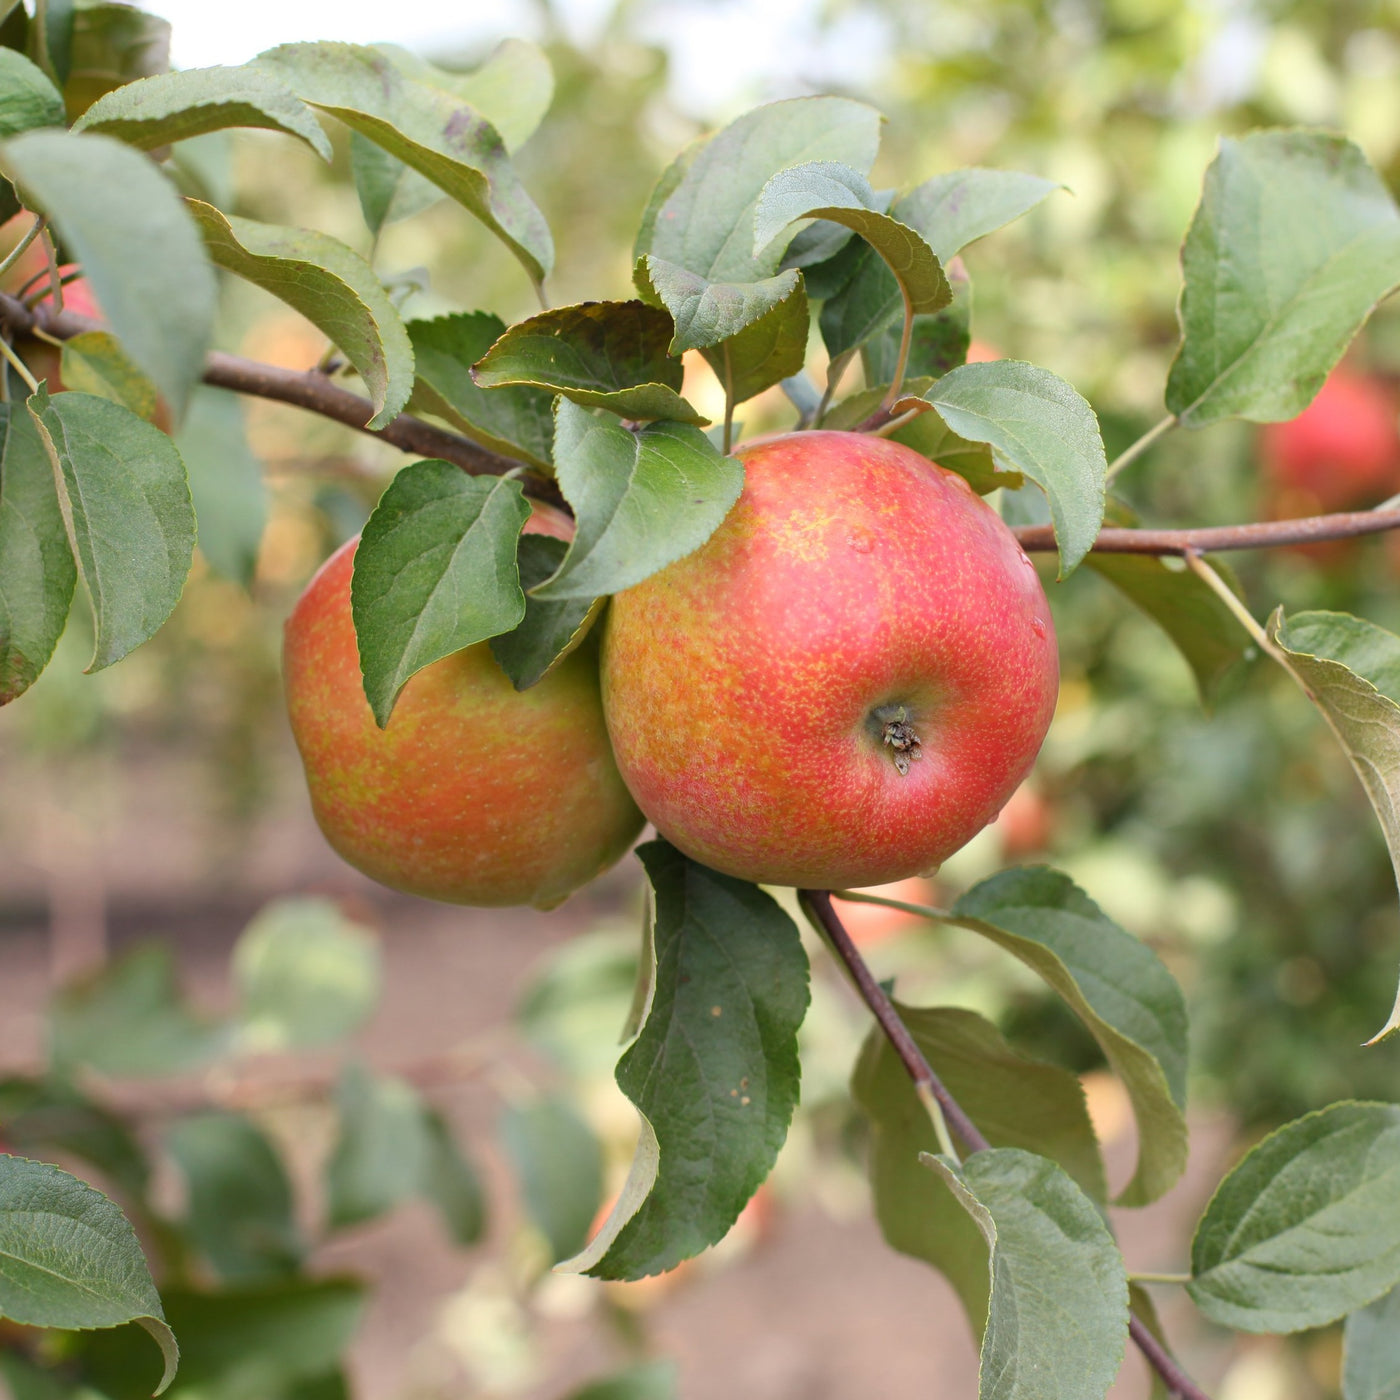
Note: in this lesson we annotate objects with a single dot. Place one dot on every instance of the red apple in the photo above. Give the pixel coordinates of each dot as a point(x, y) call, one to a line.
point(474, 793)
point(845, 682)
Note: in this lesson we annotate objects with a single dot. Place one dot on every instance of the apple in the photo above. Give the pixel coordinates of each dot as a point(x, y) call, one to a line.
point(474, 793)
point(845, 683)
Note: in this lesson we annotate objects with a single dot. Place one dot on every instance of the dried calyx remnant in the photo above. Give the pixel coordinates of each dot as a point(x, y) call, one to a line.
point(896, 731)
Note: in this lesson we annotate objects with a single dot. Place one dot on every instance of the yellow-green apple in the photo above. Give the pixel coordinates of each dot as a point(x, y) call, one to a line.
point(845, 682)
point(474, 793)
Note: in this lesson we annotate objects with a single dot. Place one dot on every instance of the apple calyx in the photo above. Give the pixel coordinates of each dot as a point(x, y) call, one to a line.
point(898, 733)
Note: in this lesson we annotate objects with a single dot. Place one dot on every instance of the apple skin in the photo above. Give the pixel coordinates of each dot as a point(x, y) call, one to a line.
point(741, 683)
point(474, 793)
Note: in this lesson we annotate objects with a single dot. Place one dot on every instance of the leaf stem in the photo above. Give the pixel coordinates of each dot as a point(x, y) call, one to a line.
point(55, 277)
point(895, 424)
point(17, 252)
point(20, 367)
point(834, 374)
point(1129, 455)
point(818, 907)
point(902, 359)
point(728, 400)
point(1227, 595)
point(1159, 1278)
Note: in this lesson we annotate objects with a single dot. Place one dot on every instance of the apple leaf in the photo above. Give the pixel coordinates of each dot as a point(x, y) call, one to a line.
point(137, 243)
point(648, 1380)
point(599, 354)
point(226, 482)
point(512, 90)
point(949, 212)
point(558, 1161)
point(704, 312)
point(451, 1183)
point(1186, 608)
point(1304, 1229)
point(37, 573)
point(1036, 424)
point(381, 1151)
point(126, 506)
point(239, 1211)
point(765, 351)
point(434, 572)
point(517, 421)
point(431, 130)
point(305, 974)
point(95, 363)
point(1115, 984)
point(1295, 241)
point(173, 107)
point(642, 499)
point(713, 1071)
point(834, 192)
point(111, 44)
point(332, 286)
point(27, 97)
point(549, 630)
point(69, 1258)
point(1017, 1102)
point(1371, 1351)
point(1057, 1318)
point(1350, 669)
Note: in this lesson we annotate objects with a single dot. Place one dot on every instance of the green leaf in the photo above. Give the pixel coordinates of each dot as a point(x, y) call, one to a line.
point(450, 1182)
point(138, 246)
point(41, 1117)
point(248, 1343)
point(382, 1152)
point(642, 499)
point(48, 37)
point(1057, 1321)
point(1186, 608)
point(428, 129)
point(27, 1382)
point(713, 1071)
point(111, 45)
point(332, 286)
point(600, 354)
point(1295, 241)
point(1350, 669)
point(1116, 985)
point(829, 190)
point(95, 363)
point(1371, 1365)
point(518, 422)
point(766, 351)
point(650, 1380)
point(69, 1258)
point(126, 505)
point(705, 313)
point(239, 1209)
point(949, 212)
point(1304, 1230)
point(305, 975)
point(434, 572)
point(1040, 426)
point(705, 223)
point(37, 574)
point(226, 483)
point(550, 630)
point(175, 106)
point(559, 1163)
point(1017, 1102)
point(27, 97)
point(128, 1019)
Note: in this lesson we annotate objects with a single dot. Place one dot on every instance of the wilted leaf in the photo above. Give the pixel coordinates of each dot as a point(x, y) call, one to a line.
point(1304, 1230)
point(434, 572)
point(1295, 241)
point(713, 1071)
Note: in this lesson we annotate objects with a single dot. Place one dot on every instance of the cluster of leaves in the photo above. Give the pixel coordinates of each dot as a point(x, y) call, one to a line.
point(750, 235)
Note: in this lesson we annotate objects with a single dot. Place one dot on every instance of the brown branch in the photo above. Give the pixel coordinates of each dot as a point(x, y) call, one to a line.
point(1214, 539)
point(818, 906)
point(308, 389)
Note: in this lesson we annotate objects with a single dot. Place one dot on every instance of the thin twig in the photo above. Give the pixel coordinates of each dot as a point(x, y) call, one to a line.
point(818, 905)
point(1129, 455)
point(901, 362)
point(1216, 539)
point(15, 253)
point(19, 366)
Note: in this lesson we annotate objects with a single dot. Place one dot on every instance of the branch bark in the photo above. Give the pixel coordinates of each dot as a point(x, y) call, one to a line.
point(1216, 539)
point(819, 908)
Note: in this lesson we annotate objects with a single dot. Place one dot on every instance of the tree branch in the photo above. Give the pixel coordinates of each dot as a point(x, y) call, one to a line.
point(1214, 539)
point(306, 389)
point(818, 906)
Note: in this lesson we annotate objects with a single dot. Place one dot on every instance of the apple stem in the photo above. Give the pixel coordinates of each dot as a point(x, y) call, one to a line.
point(1129, 455)
point(902, 360)
point(931, 1090)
